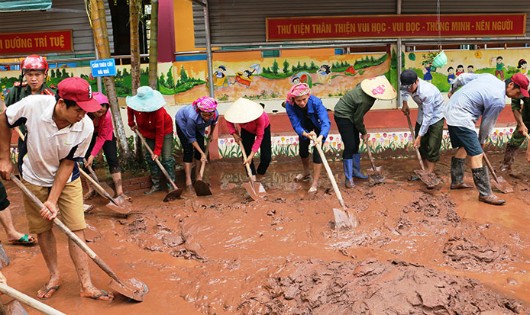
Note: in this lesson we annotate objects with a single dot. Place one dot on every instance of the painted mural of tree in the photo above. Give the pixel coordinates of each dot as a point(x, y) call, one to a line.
point(275, 67)
point(285, 68)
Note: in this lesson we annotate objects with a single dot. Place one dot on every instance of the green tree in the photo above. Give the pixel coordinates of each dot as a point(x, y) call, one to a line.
point(162, 80)
point(275, 67)
point(285, 67)
point(183, 75)
point(170, 83)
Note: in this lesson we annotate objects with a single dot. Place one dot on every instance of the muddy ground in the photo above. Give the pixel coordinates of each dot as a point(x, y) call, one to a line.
point(416, 251)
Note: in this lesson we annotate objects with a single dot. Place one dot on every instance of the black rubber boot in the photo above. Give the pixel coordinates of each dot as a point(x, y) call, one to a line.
point(457, 174)
point(482, 181)
point(509, 157)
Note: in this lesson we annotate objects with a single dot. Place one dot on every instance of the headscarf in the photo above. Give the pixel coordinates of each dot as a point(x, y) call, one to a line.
point(299, 89)
point(205, 104)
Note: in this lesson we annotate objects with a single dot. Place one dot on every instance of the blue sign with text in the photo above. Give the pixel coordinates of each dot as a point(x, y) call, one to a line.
point(103, 68)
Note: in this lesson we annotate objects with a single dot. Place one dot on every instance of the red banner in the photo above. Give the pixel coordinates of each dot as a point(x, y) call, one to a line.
point(36, 42)
point(392, 26)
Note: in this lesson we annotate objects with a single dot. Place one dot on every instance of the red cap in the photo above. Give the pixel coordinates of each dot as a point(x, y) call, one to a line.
point(78, 90)
point(521, 80)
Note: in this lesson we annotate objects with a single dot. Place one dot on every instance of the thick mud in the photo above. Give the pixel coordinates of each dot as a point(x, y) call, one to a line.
point(415, 251)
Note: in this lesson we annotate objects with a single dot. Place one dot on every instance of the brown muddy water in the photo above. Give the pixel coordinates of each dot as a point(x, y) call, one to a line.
point(416, 251)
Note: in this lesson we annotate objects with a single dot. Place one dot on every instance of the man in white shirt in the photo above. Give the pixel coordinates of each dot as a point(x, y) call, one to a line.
point(58, 135)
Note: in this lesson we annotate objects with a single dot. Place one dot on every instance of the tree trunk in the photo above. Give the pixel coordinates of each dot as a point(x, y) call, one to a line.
point(99, 28)
point(134, 20)
point(153, 47)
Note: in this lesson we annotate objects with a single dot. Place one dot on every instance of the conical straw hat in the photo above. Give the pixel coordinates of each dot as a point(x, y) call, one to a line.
point(243, 111)
point(379, 87)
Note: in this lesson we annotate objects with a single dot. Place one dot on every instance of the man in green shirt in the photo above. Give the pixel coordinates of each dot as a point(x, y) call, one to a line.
point(349, 117)
point(522, 117)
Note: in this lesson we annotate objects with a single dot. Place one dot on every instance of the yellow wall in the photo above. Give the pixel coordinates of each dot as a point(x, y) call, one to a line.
point(184, 27)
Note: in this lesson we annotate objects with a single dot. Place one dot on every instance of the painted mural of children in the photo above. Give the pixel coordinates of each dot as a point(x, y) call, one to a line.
point(499, 68)
point(220, 78)
point(459, 70)
point(427, 76)
point(451, 75)
point(521, 66)
point(324, 74)
point(470, 69)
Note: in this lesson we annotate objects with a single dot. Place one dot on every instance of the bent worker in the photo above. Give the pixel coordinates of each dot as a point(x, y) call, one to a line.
point(146, 113)
point(480, 96)
point(309, 119)
point(430, 120)
point(255, 133)
point(58, 136)
point(104, 138)
point(191, 122)
point(349, 117)
point(522, 117)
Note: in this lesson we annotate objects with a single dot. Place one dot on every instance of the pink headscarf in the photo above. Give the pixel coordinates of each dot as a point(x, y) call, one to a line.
point(205, 104)
point(299, 89)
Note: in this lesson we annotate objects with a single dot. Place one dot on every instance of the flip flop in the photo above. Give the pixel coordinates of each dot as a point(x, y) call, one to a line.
point(25, 240)
point(46, 290)
point(99, 296)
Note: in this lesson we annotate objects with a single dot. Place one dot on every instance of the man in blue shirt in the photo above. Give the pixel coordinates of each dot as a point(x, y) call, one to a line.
point(481, 96)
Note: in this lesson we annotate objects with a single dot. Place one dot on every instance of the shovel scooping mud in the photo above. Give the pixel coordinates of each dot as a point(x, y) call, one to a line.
point(253, 187)
point(120, 206)
point(132, 288)
point(376, 177)
point(202, 188)
point(343, 218)
point(498, 181)
point(428, 178)
point(176, 192)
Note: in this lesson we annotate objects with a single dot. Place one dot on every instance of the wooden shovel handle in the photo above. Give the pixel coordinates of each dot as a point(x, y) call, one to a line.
point(244, 154)
point(203, 164)
point(492, 171)
point(157, 161)
point(97, 186)
point(68, 232)
point(418, 155)
point(91, 171)
point(46, 309)
point(330, 173)
point(369, 151)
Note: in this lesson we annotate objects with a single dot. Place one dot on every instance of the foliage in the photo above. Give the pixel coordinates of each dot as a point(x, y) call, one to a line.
point(369, 61)
point(285, 68)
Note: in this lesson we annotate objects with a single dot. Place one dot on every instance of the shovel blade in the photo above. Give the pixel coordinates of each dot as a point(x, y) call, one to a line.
point(14, 308)
point(131, 288)
point(502, 185)
point(174, 194)
point(202, 188)
point(258, 187)
point(250, 190)
point(119, 206)
point(4, 260)
point(343, 219)
point(427, 178)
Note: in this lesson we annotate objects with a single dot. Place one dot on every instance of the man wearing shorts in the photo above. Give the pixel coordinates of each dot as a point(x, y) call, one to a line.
point(430, 121)
point(481, 96)
point(58, 136)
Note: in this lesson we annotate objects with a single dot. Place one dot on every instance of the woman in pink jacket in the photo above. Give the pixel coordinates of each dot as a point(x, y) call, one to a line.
point(103, 138)
point(255, 133)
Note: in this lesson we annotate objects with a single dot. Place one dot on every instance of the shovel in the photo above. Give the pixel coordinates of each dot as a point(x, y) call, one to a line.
point(252, 187)
point(343, 219)
point(498, 181)
point(114, 205)
point(427, 178)
point(176, 192)
point(133, 288)
point(95, 177)
point(375, 172)
point(202, 188)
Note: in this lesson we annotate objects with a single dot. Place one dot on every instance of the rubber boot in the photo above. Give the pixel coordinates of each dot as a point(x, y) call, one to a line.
point(348, 171)
point(509, 157)
point(155, 180)
point(357, 167)
point(457, 174)
point(169, 165)
point(482, 181)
